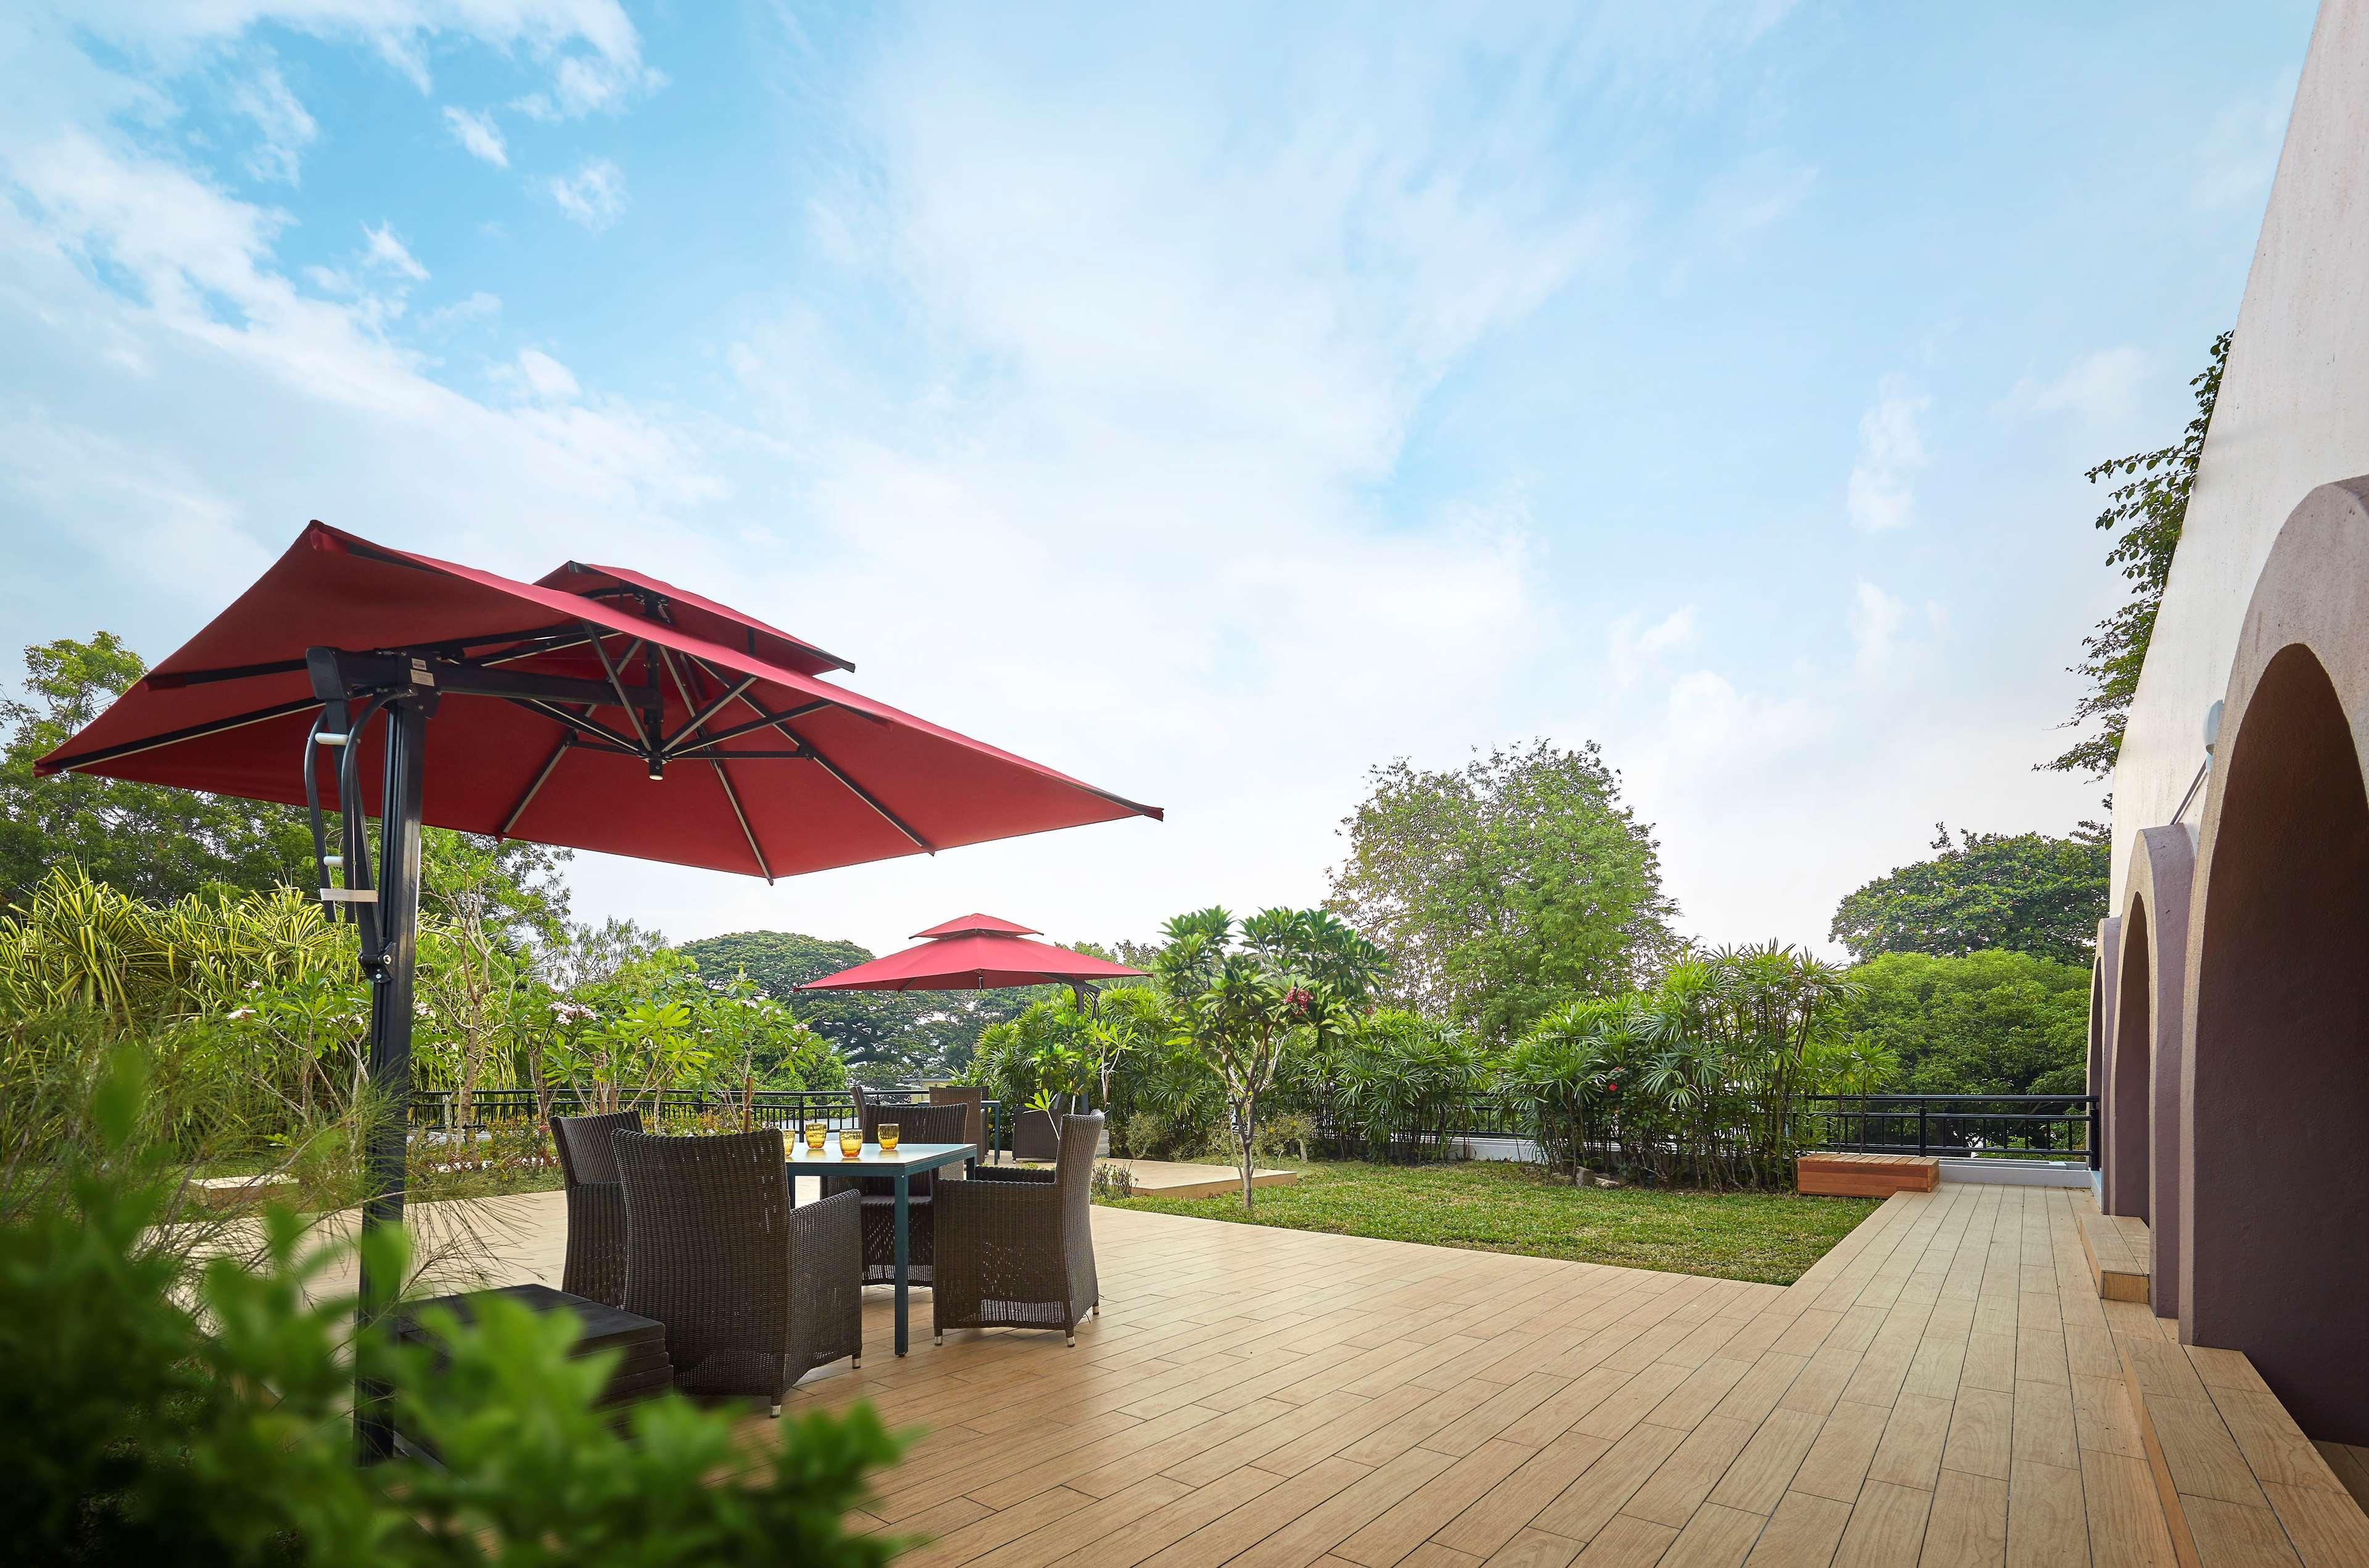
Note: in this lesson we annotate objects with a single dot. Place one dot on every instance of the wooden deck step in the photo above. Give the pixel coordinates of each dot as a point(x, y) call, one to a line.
point(2238, 1482)
point(1865, 1175)
point(2122, 1256)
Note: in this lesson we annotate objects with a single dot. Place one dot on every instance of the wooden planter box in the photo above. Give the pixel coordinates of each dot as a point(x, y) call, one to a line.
point(1865, 1175)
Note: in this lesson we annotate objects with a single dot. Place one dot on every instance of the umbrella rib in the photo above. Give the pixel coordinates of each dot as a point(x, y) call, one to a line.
point(723, 776)
point(699, 716)
point(188, 732)
point(581, 724)
point(566, 742)
point(833, 769)
point(173, 680)
point(617, 683)
point(766, 721)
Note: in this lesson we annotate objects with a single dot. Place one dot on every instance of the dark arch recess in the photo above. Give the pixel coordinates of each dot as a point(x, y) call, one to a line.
point(2277, 1262)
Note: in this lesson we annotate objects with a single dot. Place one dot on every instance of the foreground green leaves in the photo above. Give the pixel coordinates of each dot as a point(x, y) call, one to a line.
point(154, 1412)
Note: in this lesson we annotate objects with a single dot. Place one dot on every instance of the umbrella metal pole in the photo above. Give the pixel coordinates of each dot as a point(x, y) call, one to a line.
point(390, 1038)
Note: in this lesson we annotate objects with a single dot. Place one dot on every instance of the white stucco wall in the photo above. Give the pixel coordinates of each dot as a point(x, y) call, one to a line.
point(2293, 413)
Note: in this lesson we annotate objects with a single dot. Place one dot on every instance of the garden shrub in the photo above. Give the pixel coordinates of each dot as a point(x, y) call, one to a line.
point(156, 1410)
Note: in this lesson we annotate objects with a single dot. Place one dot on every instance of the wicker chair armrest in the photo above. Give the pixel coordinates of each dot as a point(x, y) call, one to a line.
point(834, 1224)
point(1014, 1174)
point(958, 1200)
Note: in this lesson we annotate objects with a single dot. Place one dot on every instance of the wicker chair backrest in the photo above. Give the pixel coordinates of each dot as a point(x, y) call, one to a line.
point(918, 1124)
point(1082, 1137)
point(585, 1145)
point(973, 1099)
point(707, 1244)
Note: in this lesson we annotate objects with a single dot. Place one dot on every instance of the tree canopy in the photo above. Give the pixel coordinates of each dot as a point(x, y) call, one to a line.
point(2150, 506)
point(147, 841)
point(2025, 892)
point(160, 845)
point(1992, 1022)
point(898, 1034)
point(1503, 887)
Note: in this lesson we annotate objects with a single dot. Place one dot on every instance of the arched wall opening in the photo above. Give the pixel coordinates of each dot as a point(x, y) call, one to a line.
point(2276, 1210)
point(2130, 1077)
point(2152, 1011)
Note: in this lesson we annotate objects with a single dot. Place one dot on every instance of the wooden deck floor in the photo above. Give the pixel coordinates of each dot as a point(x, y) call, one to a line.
point(1942, 1388)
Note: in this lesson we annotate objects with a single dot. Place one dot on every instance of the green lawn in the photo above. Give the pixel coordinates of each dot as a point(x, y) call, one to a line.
point(1498, 1206)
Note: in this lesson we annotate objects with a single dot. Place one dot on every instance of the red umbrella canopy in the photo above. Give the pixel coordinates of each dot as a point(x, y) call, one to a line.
point(975, 953)
point(712, 741)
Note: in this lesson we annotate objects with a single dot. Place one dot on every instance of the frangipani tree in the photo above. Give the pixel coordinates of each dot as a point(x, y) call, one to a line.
point(1242, 1007)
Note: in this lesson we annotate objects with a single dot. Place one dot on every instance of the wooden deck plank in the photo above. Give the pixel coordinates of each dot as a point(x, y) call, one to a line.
point(1943, 1388)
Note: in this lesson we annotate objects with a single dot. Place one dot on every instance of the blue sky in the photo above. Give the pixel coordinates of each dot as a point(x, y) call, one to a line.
point(1209, 401)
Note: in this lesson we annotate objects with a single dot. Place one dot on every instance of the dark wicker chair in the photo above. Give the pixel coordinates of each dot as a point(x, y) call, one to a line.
point(973, 1096)
point(754, 1294)
point(915, 1124)
point(596, 1205)
point(1015, 1249)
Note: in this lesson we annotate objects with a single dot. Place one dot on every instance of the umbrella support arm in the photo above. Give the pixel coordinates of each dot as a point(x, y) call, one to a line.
point(389, 923)
point(389, 1037)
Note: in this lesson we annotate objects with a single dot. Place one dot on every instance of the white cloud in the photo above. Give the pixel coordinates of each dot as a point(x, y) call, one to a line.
point(1634, 647)
point(2240, 150)
point(544, 379)
point(479, 134)
point(2101, 388)
point(284, 129)
point(1890, 452)
point(384, 249)
point(593, 196)
point(478, 306)
point(1877, 619)
point(591, 46)
point(1765, 188)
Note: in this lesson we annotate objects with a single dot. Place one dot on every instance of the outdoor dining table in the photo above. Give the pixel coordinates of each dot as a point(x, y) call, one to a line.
point(908, 1161)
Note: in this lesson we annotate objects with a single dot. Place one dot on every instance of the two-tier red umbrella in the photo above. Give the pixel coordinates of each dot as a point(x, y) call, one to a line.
point(599, 708)
point(976, 953)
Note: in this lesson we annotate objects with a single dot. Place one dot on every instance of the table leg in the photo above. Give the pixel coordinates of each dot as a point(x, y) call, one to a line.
point(904, 1185)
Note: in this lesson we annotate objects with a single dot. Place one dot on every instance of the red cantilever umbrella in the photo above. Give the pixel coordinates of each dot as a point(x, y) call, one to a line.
point(975, 953)
point(598, 708)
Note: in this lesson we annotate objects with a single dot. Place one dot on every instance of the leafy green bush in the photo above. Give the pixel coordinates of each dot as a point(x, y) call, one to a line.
point(1697, 1081)
point(1404, 1083)
point(151, 1411)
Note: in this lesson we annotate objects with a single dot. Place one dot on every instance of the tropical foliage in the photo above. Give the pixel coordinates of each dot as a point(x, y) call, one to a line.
point(1985, 1023)
point(166, 1409)
point(260, 996)
point(1696, 1082)
point(1505, 886)
point(2022, 892)
point(2149, 503)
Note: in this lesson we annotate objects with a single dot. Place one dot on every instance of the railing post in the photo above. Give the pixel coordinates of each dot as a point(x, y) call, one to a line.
point(2095, 1164)
point(1921, 1149)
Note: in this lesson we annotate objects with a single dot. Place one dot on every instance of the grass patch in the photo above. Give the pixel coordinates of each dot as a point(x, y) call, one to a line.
point(1500, 1207)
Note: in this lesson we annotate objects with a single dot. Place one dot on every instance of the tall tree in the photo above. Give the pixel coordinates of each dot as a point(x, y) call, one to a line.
point(1504, 887)
point(1989, 1023)
point(2150, 505)
point(145, 840)
point(2022, 892)
point(866, 1027)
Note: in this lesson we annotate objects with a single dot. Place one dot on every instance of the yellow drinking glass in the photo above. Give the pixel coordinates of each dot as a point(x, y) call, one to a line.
point(815, 1131)
point(886, 1133)
point(851, 1142)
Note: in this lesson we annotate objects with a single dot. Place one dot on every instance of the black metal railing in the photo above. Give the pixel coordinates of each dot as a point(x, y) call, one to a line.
point(436, 1111)
point(2029, 1127)
point(2025, 1127)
